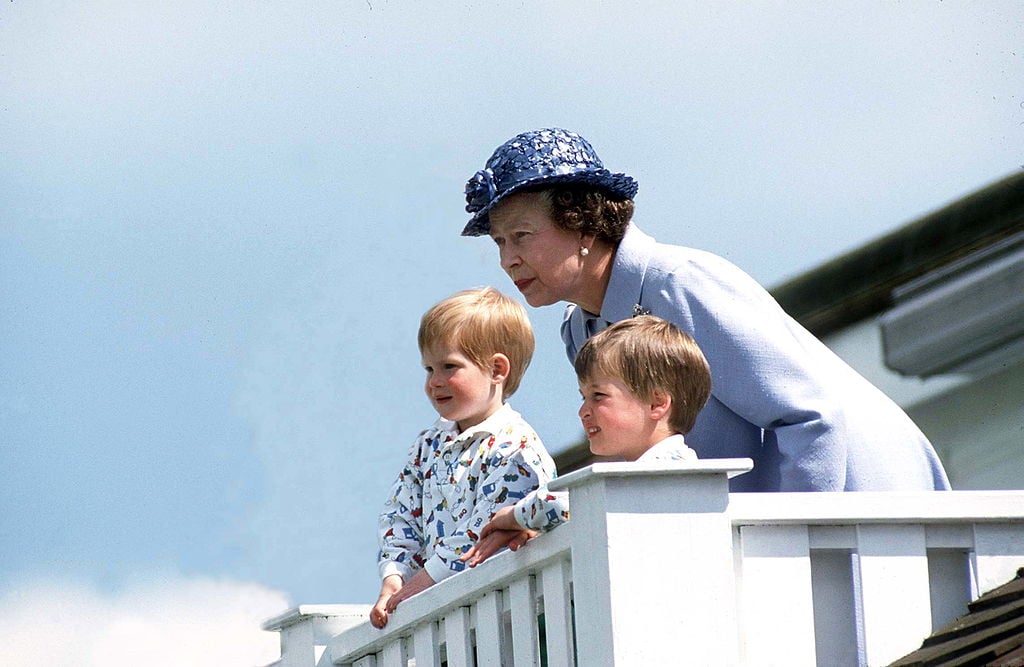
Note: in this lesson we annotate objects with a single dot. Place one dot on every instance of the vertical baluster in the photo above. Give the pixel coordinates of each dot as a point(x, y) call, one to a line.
point(557, 614)
point(507, 640)
point(488, 629)
point(998, 550)
point(950, 546)
point(949, 572)
point(835, 607)
point(776, 566)
point(895, 598)
point(523, 601)
point(456, 633)
point(425, 645)
point(395, 654)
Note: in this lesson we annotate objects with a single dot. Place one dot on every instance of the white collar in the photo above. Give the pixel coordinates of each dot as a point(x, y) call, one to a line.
point(491, 425)
point(671, 448)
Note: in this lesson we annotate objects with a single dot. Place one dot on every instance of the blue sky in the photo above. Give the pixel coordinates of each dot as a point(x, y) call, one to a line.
point(220, 223)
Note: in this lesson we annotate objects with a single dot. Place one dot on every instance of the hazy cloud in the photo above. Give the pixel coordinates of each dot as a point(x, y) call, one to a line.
point(167, 622)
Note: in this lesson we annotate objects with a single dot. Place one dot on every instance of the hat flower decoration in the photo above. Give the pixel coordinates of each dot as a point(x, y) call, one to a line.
point(537, 158)
point(480, 190)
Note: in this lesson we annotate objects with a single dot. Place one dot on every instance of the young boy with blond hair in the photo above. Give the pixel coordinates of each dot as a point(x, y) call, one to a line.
point(478, 457)
point(643, 381)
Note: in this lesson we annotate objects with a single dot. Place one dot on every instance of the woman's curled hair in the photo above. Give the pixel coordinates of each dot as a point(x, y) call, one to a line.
point(589, 209)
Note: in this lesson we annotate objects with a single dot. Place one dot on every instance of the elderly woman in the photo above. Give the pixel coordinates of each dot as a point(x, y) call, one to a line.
point(562, 224)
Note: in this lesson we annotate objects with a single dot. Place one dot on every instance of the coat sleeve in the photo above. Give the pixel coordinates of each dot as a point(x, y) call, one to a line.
point(765, 367)
point(400, 523)
point(542, 509)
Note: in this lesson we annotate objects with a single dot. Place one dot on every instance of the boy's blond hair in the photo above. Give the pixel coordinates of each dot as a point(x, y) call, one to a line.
point(482, 322)
point(648, 353)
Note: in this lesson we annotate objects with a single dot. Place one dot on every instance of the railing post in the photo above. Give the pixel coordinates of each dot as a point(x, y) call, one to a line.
point(306, 630)
point(653, 575)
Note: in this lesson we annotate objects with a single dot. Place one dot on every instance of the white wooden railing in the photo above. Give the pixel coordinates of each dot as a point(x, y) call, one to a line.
point(660, 565)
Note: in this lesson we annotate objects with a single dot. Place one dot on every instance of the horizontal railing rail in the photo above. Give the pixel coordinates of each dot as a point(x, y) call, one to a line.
point(863, 578)
point(492, 610)
point(661, 565)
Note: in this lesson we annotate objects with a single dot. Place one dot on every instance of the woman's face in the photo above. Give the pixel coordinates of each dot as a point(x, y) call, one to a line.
point(543, 260)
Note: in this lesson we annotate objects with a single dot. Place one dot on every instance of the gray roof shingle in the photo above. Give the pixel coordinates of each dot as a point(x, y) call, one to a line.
point(991, 633)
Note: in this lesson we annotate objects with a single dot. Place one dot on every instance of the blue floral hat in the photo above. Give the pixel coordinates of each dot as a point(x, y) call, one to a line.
point(539, 157)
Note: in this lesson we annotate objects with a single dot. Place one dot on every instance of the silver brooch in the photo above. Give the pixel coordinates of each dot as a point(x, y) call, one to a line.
point(639, 310)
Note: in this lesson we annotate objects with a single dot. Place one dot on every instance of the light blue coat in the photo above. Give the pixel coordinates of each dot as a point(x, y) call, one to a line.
point(779, 395)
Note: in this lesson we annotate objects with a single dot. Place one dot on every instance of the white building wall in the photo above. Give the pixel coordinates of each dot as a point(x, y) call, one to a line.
point(975, 423)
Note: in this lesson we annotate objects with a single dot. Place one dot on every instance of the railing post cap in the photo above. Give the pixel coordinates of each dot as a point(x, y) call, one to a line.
point(307, 612)
point(728, 467)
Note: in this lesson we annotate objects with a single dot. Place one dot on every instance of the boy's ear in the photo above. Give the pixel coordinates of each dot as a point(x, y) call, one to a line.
point(661, 404)
point(500, 367)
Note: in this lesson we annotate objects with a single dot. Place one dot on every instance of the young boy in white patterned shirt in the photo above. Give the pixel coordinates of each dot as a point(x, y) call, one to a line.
point(643, 381)
point(480, 456)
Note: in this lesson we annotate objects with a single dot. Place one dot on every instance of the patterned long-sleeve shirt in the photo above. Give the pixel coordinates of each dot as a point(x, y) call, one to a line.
point(543, 509)
point(450, 487)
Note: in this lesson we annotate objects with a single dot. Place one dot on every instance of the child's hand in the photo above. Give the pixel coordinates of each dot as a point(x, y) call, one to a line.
point(493, 541)
point(420, 581)
point(501, 531)
point(503, 519)
point(379, 615)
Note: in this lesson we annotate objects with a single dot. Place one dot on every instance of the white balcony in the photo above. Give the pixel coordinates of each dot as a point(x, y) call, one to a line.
point(660, 565)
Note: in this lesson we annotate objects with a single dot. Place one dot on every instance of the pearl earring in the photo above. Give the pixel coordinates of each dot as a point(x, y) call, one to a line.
point(584, 251)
